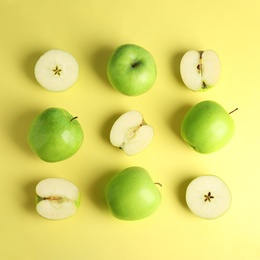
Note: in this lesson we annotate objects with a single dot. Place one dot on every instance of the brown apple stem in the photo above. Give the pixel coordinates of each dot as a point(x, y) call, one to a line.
point(135, 64)
point(73, 118)
point(158, 183)
point(233, 111)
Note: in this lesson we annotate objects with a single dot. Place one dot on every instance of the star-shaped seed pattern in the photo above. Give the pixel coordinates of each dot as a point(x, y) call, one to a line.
point(57, 71)
point(208, 197)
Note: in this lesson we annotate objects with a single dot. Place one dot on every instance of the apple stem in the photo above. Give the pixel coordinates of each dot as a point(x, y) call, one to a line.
point(135, 64)
point(158, 183)
point(73, 118)
point(233, 111)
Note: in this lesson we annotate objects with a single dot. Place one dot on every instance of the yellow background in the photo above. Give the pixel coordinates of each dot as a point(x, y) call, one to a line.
point(90, 31)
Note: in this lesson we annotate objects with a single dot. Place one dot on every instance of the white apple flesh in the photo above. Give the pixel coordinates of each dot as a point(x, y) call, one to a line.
point(200, 70)
point(208, 197)
point(131, 133)
point(56, 70)
point(56, 198)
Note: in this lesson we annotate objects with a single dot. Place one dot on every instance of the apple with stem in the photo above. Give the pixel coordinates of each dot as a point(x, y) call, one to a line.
point(55, 135)
point(131, 70)
point(200, 70)
point(56, 70)
point(131, 133)
point(56, 198)
point(207, 127)
point(132, 195)
point(208, 197)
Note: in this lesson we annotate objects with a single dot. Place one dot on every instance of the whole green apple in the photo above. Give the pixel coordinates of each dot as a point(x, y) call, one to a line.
point(131, 70)
point(207, 127)
point(55, 135)
point(132, 195)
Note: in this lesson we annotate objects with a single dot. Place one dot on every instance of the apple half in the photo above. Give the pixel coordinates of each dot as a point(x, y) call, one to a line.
point(56, 198)
point(208, 197)
point(131, 133)
point(56, 70)
point(200, 70)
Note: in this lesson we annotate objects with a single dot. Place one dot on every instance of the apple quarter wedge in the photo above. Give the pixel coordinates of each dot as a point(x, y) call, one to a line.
point(56, 198)
point(208, 197)
point(200, 70)
point(131, 133)
point(56, 70)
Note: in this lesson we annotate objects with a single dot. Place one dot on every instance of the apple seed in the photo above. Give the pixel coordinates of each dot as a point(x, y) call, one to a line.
point(200, 70)
point(133, 132)
point(208, 197)
point(57, 71)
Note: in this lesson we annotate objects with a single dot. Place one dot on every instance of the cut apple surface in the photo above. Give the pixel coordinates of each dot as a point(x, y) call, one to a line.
point(56, 198)
point(131, 133)
point(208, 197)
point(56, 70)
point(200, 70)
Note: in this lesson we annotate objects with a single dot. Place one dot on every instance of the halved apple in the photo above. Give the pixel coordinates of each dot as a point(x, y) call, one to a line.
point(56, 70)
point(131, 133)
point(200, 70)
point(56, 198)
point(208, 197)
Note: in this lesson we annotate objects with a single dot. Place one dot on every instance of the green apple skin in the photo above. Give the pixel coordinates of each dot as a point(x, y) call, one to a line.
point(132, 195)
point(207, 127)
point(55, 135)
point(131, 70)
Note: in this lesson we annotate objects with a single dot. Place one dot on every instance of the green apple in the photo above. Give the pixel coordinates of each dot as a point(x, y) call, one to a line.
point(56, 198)
point(132, 195)
point(56, 70)
point(55, 135)
point(207, 127)
point(131, 70)
point(131, 133)
point(208, 197)
point(200, 70)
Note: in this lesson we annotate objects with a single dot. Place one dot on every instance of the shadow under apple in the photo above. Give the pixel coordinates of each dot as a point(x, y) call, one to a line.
point(175, 120)
point(19, 129)
point(99, 61)
point(175, 65)
point(96, 191)
point(180, 191)
point(29, 64)
point(30, 201)
point(106, 127)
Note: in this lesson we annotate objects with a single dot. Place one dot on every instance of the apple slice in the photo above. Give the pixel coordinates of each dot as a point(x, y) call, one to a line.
point(131, 133)
point(200, 70)
point(208, 197)
point(56, 70)
point(56, 198)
